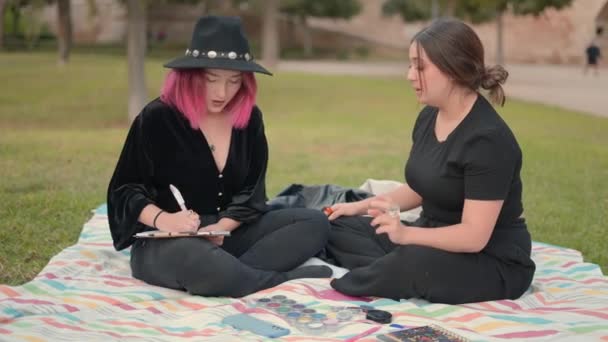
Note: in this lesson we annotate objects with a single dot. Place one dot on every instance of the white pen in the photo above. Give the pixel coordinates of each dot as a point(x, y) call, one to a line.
point(178, 197)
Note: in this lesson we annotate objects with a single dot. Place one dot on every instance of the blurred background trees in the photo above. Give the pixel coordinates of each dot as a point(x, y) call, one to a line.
point(300, 29)
point(475, 11)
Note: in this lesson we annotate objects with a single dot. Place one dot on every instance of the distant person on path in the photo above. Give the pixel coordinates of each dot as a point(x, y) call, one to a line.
point(593, 54)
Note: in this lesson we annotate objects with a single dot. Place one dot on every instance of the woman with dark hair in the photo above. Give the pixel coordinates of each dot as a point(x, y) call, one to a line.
point(205, 136)
point(471, 242)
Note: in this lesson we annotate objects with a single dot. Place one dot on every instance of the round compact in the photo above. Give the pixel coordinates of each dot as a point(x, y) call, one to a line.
point(298, 307)
point(262, 301)
point(273, 306)
point(304, 320)
point(354, 310)
point(344, 315)
point(315, 328)
point(288, 302)
point(278, 298)
point(283, 310)
point(366, 308)
point(379, 316)
point(331, 324)
point(308, 311)
point(318, 317)
point(293, 316)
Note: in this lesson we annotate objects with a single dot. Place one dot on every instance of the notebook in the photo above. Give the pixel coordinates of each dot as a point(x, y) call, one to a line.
point(157, 234)
point(427, 333)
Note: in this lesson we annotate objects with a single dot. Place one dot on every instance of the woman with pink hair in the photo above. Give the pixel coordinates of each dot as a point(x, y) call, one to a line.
point(205, 136)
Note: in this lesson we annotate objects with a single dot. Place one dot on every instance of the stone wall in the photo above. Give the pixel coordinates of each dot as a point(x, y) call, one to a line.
point(553, 37)
point(105, 22)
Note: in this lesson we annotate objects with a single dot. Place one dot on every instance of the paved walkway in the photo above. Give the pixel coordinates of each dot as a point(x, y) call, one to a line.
point(563, 86)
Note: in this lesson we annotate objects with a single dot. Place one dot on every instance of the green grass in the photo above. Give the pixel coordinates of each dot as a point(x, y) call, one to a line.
point(61, 130)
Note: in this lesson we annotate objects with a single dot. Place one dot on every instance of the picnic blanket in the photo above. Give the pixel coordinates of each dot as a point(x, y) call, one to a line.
point(87, 293)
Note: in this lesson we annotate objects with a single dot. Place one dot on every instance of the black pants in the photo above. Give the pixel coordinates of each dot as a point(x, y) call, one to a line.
point(381, 268)
point(253, 258)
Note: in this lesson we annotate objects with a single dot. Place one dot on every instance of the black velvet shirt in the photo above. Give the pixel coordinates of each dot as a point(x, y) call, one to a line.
point(479, 160)
point(161, 149)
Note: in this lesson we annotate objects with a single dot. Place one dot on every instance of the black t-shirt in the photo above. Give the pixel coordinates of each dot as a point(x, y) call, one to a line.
point(161, 149)
point(479, 160)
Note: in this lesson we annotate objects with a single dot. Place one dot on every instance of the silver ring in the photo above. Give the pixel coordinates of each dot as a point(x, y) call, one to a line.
point(393, 211)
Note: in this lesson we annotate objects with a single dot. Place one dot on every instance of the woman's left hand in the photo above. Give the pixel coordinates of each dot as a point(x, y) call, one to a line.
point(216, 240)
point(386, 221)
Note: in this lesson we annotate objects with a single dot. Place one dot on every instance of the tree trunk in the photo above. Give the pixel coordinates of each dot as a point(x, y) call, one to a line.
point(500, 57)
point(3, 4)
point(16, 19)
point(64, 30)
point(225, 7)
point(270, 33)
point(450, 8)
point(306, 36)
point(136, 53)
point(435, 9)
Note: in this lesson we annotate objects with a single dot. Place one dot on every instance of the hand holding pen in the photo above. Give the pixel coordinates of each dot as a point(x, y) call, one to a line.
point(218, 240)
point(182, 221)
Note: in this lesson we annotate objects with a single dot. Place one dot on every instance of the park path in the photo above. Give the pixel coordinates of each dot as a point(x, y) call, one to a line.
point(562, 86)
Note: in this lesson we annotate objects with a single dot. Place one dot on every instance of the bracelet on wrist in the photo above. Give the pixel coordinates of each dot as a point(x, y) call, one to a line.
point(156, 217)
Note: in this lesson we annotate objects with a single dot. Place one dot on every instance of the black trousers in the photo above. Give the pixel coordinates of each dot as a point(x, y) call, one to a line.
point(256, 256)
point(502, 270)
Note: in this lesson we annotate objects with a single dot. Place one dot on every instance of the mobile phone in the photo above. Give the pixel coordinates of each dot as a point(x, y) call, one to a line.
point(255, 325)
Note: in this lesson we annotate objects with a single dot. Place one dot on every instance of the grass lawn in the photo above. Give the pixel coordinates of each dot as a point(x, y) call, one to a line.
point(61, 130)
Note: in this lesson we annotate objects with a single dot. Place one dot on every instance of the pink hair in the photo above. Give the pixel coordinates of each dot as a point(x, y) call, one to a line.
point(184, 89)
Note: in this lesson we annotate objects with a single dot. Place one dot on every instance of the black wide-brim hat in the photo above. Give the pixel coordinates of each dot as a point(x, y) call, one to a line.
point(218, 43)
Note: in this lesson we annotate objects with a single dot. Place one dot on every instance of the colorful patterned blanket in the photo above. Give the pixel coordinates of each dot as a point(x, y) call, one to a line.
point(86, 293)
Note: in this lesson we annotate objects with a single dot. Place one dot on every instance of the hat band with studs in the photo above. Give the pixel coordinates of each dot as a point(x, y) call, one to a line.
point(215, 54)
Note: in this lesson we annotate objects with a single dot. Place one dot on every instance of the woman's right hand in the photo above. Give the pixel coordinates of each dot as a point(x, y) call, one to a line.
point(347, 209)
point(181, 221)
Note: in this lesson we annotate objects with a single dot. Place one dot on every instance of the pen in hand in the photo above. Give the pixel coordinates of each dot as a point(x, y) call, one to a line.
point(178, 197)
point(182, 204)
